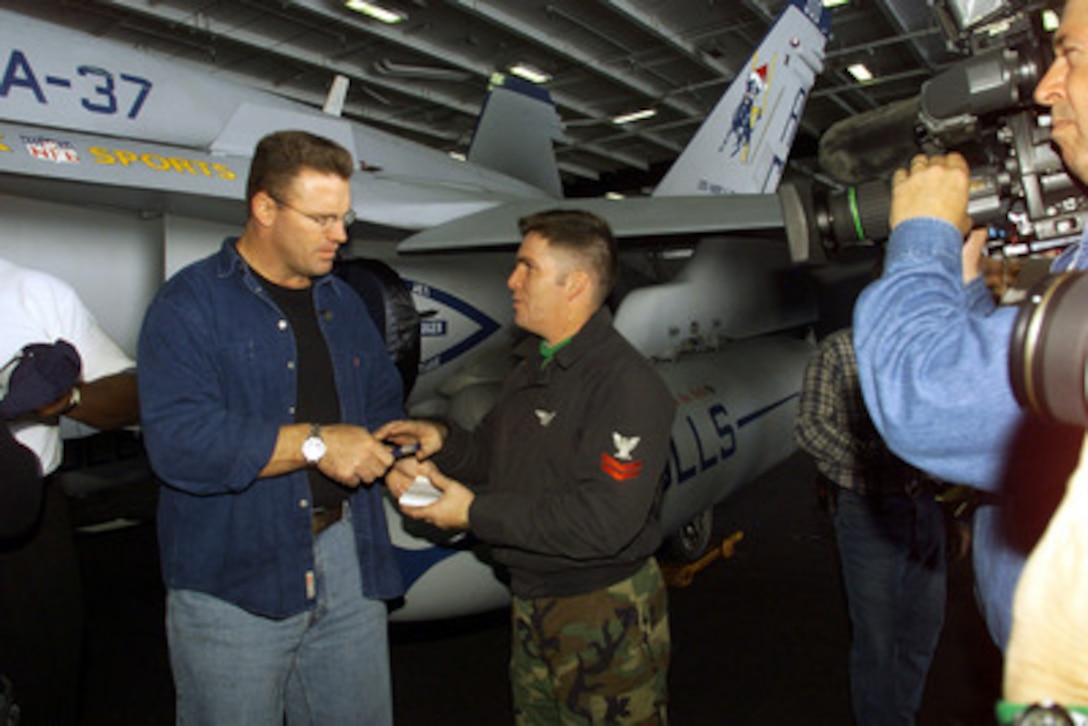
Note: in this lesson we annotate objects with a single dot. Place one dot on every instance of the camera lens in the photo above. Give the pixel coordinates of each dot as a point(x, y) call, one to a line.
point(855, 214)
point(1049, 351)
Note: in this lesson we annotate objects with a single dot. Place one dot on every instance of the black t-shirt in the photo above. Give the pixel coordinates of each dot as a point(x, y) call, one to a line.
point(317, 397)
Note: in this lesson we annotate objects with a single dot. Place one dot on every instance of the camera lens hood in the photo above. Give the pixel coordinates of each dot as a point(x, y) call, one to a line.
point(1049, 350)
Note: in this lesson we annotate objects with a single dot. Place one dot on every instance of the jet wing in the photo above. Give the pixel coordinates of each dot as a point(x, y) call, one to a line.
point(155, 178)
point(80, 111)
point(73, 156)
point(630, 217)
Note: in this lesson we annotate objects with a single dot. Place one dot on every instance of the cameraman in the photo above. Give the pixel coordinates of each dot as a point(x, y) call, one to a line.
point(933, 362)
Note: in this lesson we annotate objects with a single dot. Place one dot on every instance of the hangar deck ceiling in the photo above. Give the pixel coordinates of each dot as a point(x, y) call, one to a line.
point(425, 78)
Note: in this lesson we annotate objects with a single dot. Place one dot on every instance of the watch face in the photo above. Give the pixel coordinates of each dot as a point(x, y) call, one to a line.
point(313, 449)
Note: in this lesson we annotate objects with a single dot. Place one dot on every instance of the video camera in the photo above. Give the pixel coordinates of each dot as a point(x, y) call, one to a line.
point(1048, 354)
point(981, 107)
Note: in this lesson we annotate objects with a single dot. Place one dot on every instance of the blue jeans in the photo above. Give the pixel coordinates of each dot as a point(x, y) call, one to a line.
point(893, 564)
point(329, 665)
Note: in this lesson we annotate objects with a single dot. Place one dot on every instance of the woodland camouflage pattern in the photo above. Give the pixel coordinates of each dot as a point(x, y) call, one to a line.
point(597, 658)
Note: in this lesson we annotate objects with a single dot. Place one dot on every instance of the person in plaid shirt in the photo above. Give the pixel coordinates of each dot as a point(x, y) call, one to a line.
point(891, 536)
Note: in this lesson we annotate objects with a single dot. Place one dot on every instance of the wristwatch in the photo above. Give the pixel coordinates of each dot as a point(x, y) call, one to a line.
point(74, 399)
point(1045, 713)
point(313, 448)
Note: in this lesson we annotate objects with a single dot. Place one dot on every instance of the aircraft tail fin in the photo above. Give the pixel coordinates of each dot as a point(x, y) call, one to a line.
point(743, 145)
point(514, 133)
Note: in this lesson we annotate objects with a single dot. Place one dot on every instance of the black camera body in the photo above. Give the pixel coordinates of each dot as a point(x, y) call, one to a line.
point(981, 107)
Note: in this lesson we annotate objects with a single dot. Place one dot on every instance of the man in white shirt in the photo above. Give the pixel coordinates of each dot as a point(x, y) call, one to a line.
point(40, 605)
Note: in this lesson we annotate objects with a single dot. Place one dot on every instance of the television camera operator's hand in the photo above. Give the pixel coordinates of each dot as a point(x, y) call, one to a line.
point(972, 254)
point(1047, 657)
point(933, 186)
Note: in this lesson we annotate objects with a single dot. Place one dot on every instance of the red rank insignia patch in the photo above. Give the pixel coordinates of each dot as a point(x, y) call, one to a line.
point(620, 470)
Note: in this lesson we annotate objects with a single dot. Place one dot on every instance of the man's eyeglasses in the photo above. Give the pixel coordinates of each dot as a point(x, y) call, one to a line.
point(324, 221)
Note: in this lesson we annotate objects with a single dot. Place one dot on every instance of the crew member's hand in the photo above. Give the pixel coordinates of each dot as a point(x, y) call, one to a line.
point(429, 434)
point(935, 186)
point(1047, 657)
point(353, 456)
point(450, 511)
point(401, 476)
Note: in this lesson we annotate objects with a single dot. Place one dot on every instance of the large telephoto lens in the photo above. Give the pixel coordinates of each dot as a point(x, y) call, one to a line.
point(1048, 358)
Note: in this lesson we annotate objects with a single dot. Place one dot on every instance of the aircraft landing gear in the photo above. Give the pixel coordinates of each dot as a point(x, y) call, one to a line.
point(683, 575)
point(691, 541)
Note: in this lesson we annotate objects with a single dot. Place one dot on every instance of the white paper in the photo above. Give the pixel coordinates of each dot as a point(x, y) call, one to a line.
point(420, 494)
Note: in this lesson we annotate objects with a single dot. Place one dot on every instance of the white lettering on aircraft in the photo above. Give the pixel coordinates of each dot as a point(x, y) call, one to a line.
point(452, 327)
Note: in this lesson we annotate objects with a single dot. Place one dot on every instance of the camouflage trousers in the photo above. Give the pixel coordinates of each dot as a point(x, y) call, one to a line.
point(598, 658)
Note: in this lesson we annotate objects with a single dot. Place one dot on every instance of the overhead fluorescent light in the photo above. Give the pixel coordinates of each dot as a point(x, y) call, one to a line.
point(636, 116)
point(835, 3)
point(614, 195)
point(529, 73)
point(860, 73)
point(1050, 21)
point(376, 11)
point(457, 156)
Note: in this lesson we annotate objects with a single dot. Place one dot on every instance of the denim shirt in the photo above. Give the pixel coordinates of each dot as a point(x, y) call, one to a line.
point(217, 380)
point(933, 368)
point(933, 359)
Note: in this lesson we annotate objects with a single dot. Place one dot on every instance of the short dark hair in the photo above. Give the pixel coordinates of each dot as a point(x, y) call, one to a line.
point(585, 235)
point(280, 157)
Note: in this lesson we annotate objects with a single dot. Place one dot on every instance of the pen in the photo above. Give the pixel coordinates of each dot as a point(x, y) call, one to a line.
point(405, 450)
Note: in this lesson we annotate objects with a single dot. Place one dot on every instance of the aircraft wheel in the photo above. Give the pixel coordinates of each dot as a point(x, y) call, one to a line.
point(692, 540)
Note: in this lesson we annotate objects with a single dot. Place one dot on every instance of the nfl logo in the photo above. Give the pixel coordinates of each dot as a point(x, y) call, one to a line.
point(59, 152)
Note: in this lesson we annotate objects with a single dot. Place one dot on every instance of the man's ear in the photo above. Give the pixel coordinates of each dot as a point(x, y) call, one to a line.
point(263, 208)
point(579, 284)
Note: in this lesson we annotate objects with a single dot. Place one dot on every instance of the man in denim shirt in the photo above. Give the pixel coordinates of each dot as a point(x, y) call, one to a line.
point(261, 378)
point(934, 362)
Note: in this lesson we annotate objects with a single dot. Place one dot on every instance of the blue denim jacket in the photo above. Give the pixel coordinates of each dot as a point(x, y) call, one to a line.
point(933, 360)
point(934, 371)
point(216, 383)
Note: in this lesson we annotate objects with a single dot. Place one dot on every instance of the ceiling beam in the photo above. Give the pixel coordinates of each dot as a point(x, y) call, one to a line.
point(910, 19)
point(654, 25)
point(444, 54)
point(558, 45)
point(253, 39)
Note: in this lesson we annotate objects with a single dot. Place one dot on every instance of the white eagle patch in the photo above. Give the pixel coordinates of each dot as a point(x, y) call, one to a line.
point(545, 417)
point(624, 445)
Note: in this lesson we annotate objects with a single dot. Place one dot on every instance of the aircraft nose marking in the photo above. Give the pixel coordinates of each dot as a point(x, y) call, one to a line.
point(437, 327)
point(745, 420)
point(710, 452)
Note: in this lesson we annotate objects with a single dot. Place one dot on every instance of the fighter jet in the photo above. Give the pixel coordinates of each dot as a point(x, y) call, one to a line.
point(117, 169)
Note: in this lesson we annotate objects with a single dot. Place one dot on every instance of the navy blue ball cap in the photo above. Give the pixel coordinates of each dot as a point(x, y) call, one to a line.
point(37, 376)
